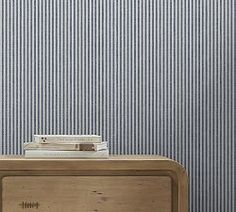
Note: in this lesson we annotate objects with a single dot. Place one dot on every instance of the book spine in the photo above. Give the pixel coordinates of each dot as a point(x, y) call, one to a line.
point(60, 139)
point(66, 146)
point(60, 146)
point(66, 154)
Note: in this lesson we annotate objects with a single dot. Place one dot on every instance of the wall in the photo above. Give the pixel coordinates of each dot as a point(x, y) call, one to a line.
point(152, 77)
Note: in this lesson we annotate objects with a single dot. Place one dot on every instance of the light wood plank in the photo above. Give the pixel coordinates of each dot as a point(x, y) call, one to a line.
point(87, 193)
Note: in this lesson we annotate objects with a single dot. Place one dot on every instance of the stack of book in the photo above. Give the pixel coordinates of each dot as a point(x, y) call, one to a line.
point(66, 146)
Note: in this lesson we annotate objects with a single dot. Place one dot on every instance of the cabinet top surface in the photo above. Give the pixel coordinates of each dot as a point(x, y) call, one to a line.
point(114, 162)
point(111, 158)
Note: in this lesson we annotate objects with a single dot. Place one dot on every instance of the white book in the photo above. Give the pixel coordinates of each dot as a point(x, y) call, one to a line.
point(66, 154)
point(87, 146)
point(67, 138)
point(101, 146)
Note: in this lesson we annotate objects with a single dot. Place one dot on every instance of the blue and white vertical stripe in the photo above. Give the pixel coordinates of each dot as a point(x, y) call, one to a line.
point(150, 76)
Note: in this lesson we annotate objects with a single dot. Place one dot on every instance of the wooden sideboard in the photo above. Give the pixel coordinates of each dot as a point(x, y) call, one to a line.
point(118, 184)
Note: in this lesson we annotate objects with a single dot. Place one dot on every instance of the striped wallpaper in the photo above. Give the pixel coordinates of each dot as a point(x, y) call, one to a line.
point(150, 76)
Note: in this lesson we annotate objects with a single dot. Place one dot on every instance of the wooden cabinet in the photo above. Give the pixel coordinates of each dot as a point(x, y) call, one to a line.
point(117, 184)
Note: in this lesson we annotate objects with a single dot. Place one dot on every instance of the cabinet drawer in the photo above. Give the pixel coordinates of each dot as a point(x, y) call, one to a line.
point(87, 193)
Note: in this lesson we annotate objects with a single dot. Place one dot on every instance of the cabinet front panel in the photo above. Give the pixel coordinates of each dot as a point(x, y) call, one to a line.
point(86, 193)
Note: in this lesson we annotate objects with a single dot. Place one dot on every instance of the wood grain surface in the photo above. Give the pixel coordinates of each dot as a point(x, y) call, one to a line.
point(120, 183)
point(87, 193)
